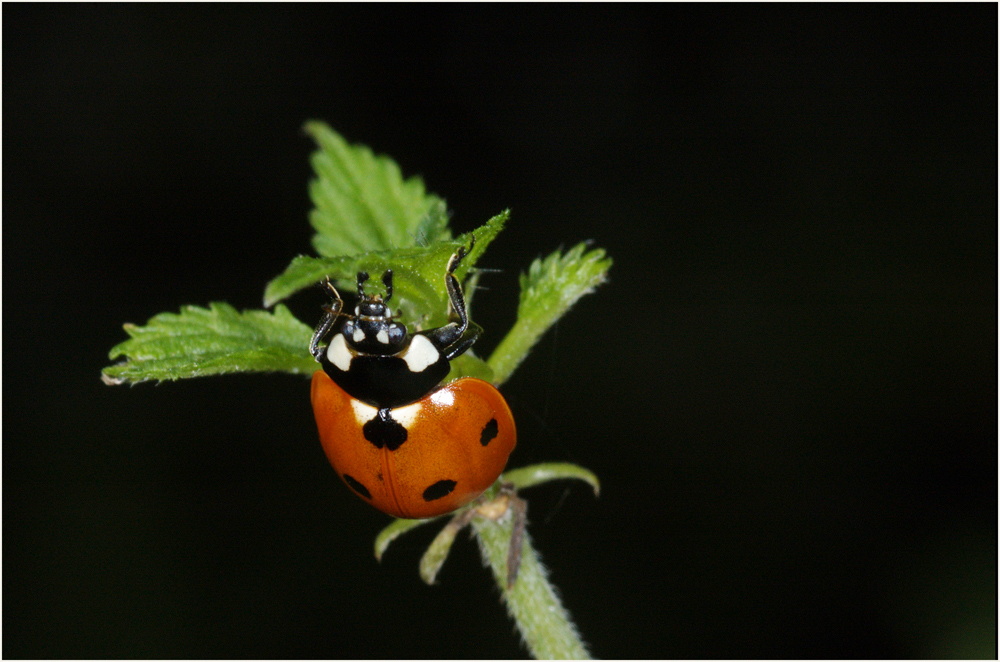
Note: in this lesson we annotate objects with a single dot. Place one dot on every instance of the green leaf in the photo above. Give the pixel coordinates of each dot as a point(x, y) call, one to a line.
point(548, 291)
point(363, 204)
point(394, 530)
point(468, 365)
point(418, 273)
point(212, 341)
point(437, 552)
point(536, 474)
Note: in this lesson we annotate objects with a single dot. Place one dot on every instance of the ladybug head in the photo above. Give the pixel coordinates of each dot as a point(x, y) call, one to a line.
point(372, 330)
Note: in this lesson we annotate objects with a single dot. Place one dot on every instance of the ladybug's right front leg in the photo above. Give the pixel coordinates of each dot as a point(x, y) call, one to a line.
point(454, 338)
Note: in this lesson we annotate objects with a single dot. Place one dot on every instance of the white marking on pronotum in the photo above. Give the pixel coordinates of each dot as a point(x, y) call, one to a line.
point(406, 415)
point(443, 397)
point(362, 412)
point(359, 335)
point(338, 353)
point(382, 336)
point(420, 354)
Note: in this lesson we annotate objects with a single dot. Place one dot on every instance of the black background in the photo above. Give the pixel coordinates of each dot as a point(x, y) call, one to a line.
point(788, 387)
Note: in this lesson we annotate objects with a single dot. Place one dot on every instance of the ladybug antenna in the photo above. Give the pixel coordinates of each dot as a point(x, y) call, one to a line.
point(362, 277)
point(387, 281)
point(333, 290)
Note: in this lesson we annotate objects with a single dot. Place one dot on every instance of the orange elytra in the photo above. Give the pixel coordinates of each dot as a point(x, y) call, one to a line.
point(437, 454)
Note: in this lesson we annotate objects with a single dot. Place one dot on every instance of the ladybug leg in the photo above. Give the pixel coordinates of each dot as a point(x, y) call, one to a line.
point(455, 338)
point(466, 341)
point(326, 322)
point(456, 299)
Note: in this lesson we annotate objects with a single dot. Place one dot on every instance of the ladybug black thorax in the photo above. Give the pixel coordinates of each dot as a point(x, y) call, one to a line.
point(375, 360)
point(372, 357)
point(385, 380)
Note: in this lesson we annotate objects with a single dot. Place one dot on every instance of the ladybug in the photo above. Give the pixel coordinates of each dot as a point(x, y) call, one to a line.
point(402, 441)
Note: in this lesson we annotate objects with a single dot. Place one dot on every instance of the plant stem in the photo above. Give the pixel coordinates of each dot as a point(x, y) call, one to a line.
point(514, 348)
point(543, 622)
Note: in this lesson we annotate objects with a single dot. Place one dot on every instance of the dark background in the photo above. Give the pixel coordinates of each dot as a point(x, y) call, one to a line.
point(788, 387)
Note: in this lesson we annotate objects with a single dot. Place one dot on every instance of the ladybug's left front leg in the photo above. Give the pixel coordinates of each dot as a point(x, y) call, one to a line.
point(326, 322)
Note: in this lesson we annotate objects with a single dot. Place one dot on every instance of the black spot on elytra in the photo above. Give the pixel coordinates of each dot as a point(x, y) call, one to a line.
point(439, 489)
point(357, 487)
point(384, 431)
point(490, 432)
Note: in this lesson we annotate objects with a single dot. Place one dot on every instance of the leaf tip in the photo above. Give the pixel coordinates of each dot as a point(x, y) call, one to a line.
point(537, 474)
point(112, 381)
point(393, 531)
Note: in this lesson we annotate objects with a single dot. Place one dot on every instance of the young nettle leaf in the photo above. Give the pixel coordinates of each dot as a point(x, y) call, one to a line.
point(548, 291)
point(537, 474)
point(418, 273)
point(212, 341)
point(363, 204)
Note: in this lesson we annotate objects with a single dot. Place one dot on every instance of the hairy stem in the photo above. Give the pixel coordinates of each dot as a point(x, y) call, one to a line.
point(532, 602)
